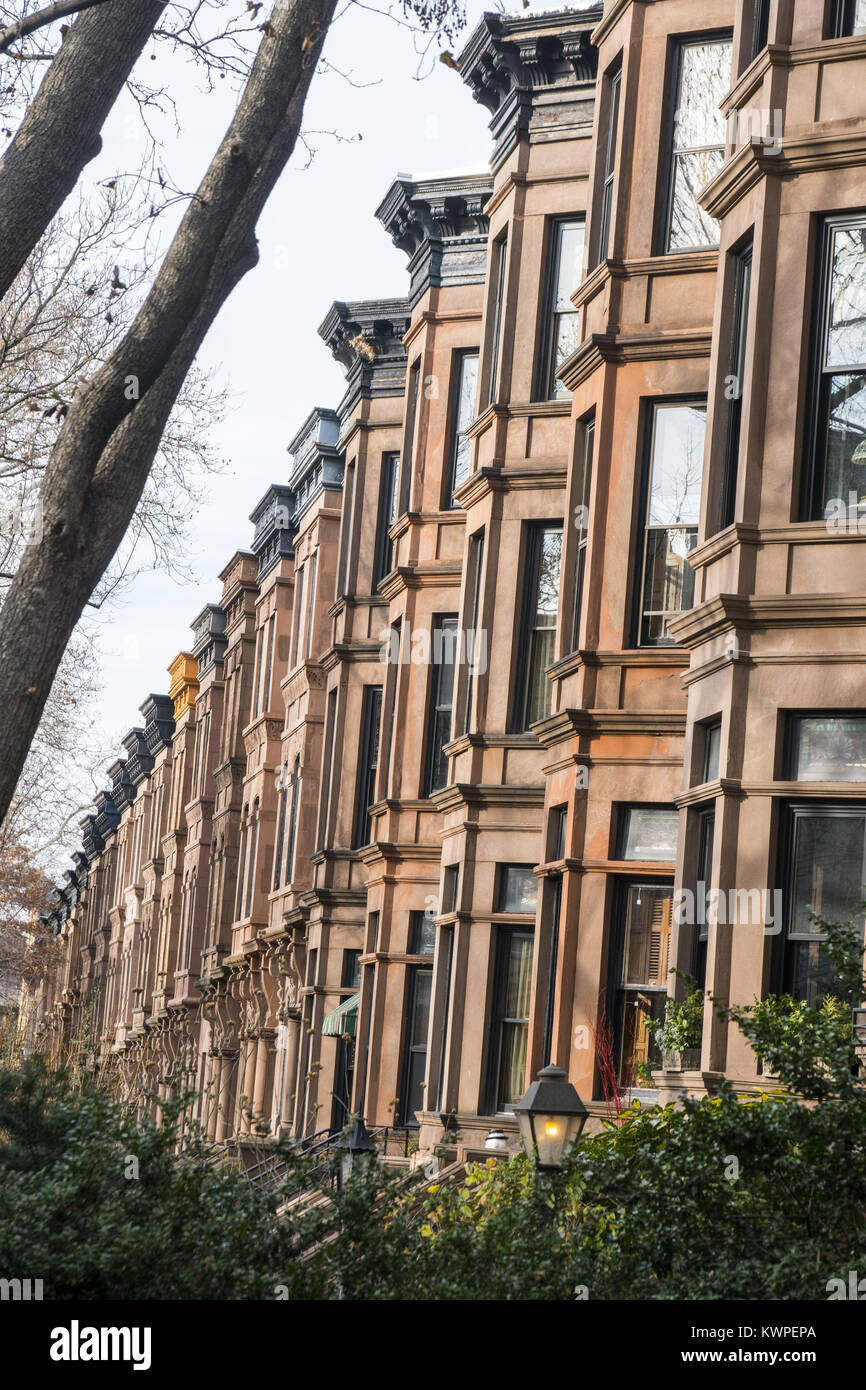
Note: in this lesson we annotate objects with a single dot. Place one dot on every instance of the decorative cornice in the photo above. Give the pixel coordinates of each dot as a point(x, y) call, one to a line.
point(138, 760)
point(535, 74)
point(158, 714)
point(366, 338)
point(184, 683)
point(441, 226)
point(107, 817)
point(209, 637)
point(273, 521)
point(317, 462)
point(122, 788)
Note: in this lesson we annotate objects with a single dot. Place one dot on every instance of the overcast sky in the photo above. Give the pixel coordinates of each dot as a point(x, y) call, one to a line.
point(319, 241)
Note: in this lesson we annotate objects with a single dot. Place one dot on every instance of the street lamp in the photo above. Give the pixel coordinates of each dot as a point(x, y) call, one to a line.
point(551, 1117)
point(356, 1146)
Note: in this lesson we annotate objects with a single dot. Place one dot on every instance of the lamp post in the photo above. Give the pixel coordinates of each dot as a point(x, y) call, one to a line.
point(355, 1146)
point(551, 1117)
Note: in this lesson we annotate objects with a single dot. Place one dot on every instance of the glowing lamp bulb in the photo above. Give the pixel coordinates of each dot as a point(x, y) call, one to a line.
point(551, 1128)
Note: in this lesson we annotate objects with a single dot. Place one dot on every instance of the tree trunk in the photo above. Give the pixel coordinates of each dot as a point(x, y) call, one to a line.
point(105, 449)
point(61, 131)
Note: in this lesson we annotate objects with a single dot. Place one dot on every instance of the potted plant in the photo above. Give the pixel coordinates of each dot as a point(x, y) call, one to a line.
point(679, 1037)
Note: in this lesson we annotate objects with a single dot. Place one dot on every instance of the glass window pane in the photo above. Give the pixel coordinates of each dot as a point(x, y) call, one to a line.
point(547, 594)
point(677, 464)
point(698, 140)
point(570, 267)
point(647, 935)
point(421, 1009)
point(516, 985)
point(842, 438)
point(830, 750)
point(650, 833)
point(712, 750)
point(423, 933)
point(828, 870)
point(704, 79)
point(518, 890)
point(464, 415)
point(846, 328)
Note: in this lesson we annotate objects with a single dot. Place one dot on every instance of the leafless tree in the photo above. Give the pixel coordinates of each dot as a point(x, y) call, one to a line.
point(100, 462)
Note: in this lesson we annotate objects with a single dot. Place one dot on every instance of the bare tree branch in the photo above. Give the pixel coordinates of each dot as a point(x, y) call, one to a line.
point(40, 19)
point(60, 133)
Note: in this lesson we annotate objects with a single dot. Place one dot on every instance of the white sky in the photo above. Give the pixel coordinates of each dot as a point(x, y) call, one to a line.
point(319, 224)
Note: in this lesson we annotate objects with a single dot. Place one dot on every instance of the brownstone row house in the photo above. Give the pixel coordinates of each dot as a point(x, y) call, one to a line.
point(544, 672)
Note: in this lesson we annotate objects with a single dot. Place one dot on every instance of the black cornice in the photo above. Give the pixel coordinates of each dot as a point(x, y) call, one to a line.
point(366, 338)
point(138, 760)
point(209, 640)
point(441, 226)
point(534, 73)
point(158, 714)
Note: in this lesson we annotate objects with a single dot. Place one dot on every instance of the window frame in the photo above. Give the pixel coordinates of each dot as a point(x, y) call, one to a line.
point(499, 282)
point(455, 434)
point(498, 1019)
point(389, 501)
point(613, 120)
point(442, 622)
point(546, 384)
point(839, 20)
point(533, 550)
point(680, 42)
point(368, 765)
point(810, 509)
point(587, 465)
point(741, 262)
point(651, 407)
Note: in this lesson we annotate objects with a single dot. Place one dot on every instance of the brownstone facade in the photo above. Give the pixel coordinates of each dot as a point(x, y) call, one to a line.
point(543, 675)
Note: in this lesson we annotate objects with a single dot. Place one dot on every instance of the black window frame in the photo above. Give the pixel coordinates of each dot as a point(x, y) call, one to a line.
point(498, 1019)
point(546, 382)
point(474, 577)
point(613, 116)
point(388, 511)
point(585, 489)
point(783, 961)
point(420, 921)
point(499, 281)
point(616, 988)
point(760, 27)
point(455, 434)
point(811, 495)
point(651, 408)
point(842, 16)
point(413, 1049)
point(741, 262)
point(442, 623)
point(681, 42)
point(371, 728)
point(533, 550)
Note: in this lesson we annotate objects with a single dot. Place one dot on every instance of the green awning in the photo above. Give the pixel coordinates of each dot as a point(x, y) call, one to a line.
point(343, 1019)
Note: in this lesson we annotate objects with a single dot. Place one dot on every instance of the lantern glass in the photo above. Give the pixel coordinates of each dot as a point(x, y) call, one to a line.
point(554, 1136)
point(551, 1117)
